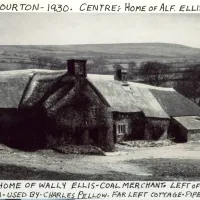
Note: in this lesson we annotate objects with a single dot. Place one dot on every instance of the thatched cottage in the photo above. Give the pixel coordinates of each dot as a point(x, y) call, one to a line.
point(42, 107)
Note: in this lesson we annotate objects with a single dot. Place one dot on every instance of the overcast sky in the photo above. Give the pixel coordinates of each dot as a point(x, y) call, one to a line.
point(61, 29)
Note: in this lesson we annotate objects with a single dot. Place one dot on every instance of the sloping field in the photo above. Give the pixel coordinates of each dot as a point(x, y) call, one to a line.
point(137, 50)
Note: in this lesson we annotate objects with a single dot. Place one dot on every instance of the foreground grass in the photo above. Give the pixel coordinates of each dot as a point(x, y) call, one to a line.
point(13, 172)
point(50, 165)
point(162, 169)
point(171, 169)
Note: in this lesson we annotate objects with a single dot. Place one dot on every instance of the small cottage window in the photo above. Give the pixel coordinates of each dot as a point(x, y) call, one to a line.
point(121, 128)
point(94, 112)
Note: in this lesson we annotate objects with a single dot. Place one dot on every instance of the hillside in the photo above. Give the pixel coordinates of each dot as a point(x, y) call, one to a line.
point(10, 56)
point(151, 49)
point(143, 49)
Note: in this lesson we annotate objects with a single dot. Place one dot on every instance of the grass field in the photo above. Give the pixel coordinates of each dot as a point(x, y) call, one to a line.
point(172, 169)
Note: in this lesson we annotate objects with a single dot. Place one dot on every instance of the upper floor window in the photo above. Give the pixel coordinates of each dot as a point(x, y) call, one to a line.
point(94, 112)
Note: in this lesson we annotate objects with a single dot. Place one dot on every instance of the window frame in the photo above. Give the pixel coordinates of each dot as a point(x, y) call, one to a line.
point(94, 111)
point(122, 128)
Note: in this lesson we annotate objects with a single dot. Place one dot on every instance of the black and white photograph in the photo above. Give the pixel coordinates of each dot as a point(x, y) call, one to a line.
point(100, 96)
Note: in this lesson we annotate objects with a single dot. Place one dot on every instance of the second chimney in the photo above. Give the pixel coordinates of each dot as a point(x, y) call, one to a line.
point(122, 75)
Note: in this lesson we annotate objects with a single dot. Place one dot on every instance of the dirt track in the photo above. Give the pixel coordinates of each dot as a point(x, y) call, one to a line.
point(127, 162)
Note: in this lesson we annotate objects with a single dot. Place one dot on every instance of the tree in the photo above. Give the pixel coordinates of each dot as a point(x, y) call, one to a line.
point(189, 85)
point(39, 61)
point(24, 64)
point(42, 62)
point(154, 73)
point(97, 66)
point(117, 66)
point(55, 63)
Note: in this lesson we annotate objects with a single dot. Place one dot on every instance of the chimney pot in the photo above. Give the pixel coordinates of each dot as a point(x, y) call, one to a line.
point(77, 67)
point(121, 75)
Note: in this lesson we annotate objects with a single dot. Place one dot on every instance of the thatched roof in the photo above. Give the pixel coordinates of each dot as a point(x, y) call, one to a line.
point(41, 87)
point(189, 122)
point(17, 87)
point(55, 99)
point(119, 99)
point(147, 102)
point(50, 88)
point(134, 97)
point(12, 87)
point(158, 102)
point(175, 104)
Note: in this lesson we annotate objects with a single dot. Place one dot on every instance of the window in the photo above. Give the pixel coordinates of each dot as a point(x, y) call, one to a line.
point(121, 128)
point(94, 112)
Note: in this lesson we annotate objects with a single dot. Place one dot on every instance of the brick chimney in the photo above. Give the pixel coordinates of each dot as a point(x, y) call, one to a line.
point(77, 67)
point(121, 75)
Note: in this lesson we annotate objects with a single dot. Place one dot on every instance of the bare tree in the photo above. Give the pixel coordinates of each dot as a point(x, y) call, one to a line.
point(97, 66)
point(39, 61)
point(55, 63)
point(189, 85)
point(117, 66)
point(24, 64)
point(131, 69)
point(154, 73)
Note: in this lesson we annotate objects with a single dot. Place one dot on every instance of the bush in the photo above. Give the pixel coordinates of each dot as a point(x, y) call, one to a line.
point(80, 149)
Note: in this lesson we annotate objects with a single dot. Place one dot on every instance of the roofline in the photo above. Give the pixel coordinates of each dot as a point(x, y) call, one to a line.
point(33, 70)
point(152, 87)
point(185, 116)
point(159, 118)
point(98, 93)
point(127, 112)
point(25, 90)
